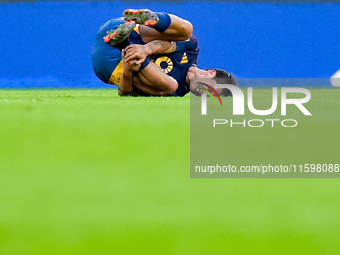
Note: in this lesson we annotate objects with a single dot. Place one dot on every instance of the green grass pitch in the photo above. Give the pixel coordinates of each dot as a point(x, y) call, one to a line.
point(87, 172)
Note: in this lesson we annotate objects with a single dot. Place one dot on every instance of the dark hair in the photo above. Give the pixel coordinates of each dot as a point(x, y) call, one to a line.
point(222, 77)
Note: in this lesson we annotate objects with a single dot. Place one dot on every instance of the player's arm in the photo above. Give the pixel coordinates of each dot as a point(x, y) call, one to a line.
point(151, 80)
point(125, 86)
point(140, 52)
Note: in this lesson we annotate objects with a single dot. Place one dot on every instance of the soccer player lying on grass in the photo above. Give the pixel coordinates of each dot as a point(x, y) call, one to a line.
point(143, 83)
point(174, 62)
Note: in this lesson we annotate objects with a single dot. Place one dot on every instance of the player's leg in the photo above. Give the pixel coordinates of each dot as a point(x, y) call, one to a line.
point(150, 81)
point(153, 81)
point(159, 25)
point(106, 59)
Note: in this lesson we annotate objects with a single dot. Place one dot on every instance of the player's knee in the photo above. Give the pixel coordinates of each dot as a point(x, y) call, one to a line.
point(187, 29)
point(184, 29)
point(170, 91)
point(171, 86)
point(167, 92)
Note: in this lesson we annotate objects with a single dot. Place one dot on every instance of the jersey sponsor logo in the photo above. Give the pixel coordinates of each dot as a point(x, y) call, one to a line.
point(165, 64)
point(184, 58)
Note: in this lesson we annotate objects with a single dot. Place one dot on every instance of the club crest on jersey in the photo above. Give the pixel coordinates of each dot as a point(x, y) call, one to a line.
point(165, 64)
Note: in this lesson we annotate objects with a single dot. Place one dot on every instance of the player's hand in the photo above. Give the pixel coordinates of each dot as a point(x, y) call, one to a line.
point(136, 51)
point(129, 66)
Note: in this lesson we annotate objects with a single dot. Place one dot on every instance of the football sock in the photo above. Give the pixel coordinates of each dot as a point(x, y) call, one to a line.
point(163, 22)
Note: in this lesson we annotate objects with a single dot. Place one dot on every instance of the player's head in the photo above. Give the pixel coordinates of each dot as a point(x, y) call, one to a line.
point(223, 77)
point(219, 76)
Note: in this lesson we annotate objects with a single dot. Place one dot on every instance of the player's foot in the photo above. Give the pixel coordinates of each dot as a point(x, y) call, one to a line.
point(115, 37)
point(142, 17)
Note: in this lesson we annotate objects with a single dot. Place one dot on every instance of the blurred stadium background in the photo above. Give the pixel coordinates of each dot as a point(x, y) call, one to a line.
point(83, 171)
point(48, 43)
